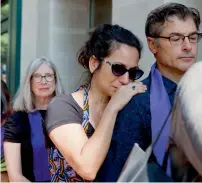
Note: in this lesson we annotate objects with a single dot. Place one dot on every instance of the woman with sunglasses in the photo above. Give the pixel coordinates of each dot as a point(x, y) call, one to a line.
point(81, 124)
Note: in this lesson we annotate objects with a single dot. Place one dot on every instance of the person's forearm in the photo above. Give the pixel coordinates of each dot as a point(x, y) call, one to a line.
point(18, 178)
point(4, 177)
point(94, 151)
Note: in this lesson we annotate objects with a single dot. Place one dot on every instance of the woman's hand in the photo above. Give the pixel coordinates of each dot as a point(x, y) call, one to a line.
point(124, 94)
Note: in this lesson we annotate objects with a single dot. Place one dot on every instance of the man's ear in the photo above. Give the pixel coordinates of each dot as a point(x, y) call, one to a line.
point(93, 63)
point(152, 44)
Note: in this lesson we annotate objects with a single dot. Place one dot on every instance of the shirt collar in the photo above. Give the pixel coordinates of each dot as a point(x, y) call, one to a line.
point(170, 86)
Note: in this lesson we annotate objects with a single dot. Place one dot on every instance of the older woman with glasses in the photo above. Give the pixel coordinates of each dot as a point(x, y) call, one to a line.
point(24, 139)
point(81, 124)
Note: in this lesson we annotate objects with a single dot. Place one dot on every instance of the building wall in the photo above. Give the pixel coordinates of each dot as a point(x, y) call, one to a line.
point(29, 32)
point(132, 14)
point(57, 30)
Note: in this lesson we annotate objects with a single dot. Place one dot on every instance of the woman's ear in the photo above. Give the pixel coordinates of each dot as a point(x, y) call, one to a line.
point(93, 64)
point(152, 44)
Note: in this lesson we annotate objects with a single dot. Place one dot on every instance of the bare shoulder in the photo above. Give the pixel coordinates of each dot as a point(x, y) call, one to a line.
point(78, 97)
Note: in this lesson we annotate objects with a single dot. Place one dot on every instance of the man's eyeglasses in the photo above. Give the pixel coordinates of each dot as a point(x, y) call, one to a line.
point(179, 39)
point(38, 78)
point(119, 70)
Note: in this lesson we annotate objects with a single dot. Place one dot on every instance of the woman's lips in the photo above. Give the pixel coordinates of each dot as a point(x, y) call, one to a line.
point(43, 88)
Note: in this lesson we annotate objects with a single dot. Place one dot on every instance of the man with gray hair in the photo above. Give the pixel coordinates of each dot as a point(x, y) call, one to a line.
point(172, 32)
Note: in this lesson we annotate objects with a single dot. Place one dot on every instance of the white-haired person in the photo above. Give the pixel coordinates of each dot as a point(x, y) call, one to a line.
point(25, 143)
point(186, 128)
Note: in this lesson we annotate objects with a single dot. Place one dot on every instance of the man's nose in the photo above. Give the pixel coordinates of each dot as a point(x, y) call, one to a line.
point(186, 45)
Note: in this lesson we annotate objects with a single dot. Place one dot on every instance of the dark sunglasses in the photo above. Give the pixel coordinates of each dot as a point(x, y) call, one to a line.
point(119, 70)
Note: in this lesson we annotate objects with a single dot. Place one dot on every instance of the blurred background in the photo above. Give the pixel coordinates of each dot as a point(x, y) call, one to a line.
point(58, 28)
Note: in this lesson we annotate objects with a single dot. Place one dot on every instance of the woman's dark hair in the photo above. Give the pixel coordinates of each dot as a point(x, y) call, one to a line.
point(103, 40)
point(157, 17)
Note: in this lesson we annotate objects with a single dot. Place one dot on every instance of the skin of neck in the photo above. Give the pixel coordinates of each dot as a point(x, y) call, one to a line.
point(170, 73)
point(41, 103)
point(96, 96)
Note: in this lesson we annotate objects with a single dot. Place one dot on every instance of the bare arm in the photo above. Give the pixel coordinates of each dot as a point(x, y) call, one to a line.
point(4, 177)
point(13, 162)
point(79, 151)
